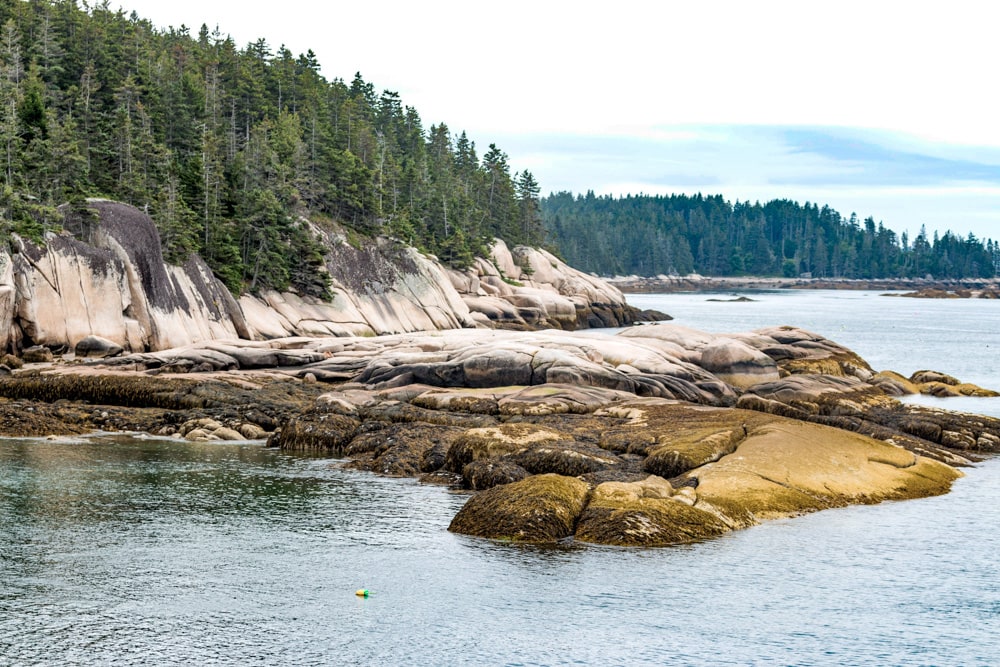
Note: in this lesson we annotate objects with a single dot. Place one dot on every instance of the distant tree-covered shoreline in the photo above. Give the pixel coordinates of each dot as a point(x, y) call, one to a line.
point(681, 234)
point(230, 148)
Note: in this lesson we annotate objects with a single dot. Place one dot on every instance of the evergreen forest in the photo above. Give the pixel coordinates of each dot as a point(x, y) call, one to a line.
point(229, 147)
point(232, 148)
point(679, 234)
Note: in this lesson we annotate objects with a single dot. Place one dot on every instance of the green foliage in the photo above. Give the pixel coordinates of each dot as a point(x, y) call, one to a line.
point(25, 216)
point(228, 149)
point(679, 234)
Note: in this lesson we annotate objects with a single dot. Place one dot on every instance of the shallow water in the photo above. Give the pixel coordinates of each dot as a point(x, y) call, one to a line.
point(125, 551)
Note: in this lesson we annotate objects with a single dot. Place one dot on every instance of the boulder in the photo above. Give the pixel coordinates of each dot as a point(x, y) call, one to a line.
point(95, 347)
point(542, 508)
point(487, 473)
point(497, 441)
point(37, 354)
point(737, 363)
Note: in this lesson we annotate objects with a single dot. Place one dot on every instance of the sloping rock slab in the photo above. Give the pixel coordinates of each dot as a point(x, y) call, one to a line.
point(645, 514)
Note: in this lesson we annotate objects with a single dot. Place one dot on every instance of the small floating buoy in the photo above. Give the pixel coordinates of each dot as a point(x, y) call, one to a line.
point(362, 592)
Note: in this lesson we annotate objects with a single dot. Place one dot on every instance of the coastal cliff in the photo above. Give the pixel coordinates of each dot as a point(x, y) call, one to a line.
point(105, 276)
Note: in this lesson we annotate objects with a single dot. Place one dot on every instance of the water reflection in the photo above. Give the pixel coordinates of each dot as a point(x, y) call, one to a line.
point(235, 554)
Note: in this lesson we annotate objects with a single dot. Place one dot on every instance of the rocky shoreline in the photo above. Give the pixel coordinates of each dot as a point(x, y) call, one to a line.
point(655, 435)
point(104, 275)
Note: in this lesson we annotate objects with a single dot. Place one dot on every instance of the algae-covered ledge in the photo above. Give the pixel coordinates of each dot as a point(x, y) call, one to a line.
point(650, 436)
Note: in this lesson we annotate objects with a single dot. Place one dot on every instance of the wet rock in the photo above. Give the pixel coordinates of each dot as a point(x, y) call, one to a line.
point(541, 508)
point(487, 473)
point(648, 513)
point(401, 450)
point(315, 431)
point(497, 441)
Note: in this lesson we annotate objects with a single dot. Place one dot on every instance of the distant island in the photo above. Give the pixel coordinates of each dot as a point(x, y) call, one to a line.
point(648, 236)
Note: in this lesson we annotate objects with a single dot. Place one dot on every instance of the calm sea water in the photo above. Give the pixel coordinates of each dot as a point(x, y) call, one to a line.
point(123, 551)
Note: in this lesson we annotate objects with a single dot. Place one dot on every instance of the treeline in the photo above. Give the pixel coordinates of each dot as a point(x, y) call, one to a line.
point(229, 148)
point(679, 234)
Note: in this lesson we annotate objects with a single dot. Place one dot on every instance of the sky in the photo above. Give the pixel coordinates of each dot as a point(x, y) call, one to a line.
point(881, 108)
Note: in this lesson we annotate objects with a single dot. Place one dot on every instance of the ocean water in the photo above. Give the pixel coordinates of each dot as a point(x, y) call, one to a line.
point(125, 551)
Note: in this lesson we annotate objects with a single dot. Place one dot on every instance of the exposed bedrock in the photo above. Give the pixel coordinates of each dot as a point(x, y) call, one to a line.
point(105, 277)
point(641, 438)
point(778, 468)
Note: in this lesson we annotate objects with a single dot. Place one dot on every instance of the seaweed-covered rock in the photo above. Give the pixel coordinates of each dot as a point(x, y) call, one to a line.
point(401, 450)
point(316, 431)
point(542, 508)
point(487, 473)
point(496, 441)
point(647, 513)
point(565, 457)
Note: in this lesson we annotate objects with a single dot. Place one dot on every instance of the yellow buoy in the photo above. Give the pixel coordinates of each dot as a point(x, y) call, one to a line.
point(362, 592)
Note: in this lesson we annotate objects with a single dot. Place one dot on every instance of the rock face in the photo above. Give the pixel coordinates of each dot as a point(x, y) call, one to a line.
point(105, 276)
point(112, 284)
point(526, 288)
point(380, 287)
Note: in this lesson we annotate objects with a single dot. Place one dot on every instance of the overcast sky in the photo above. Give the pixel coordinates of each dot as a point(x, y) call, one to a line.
point(887, 109)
